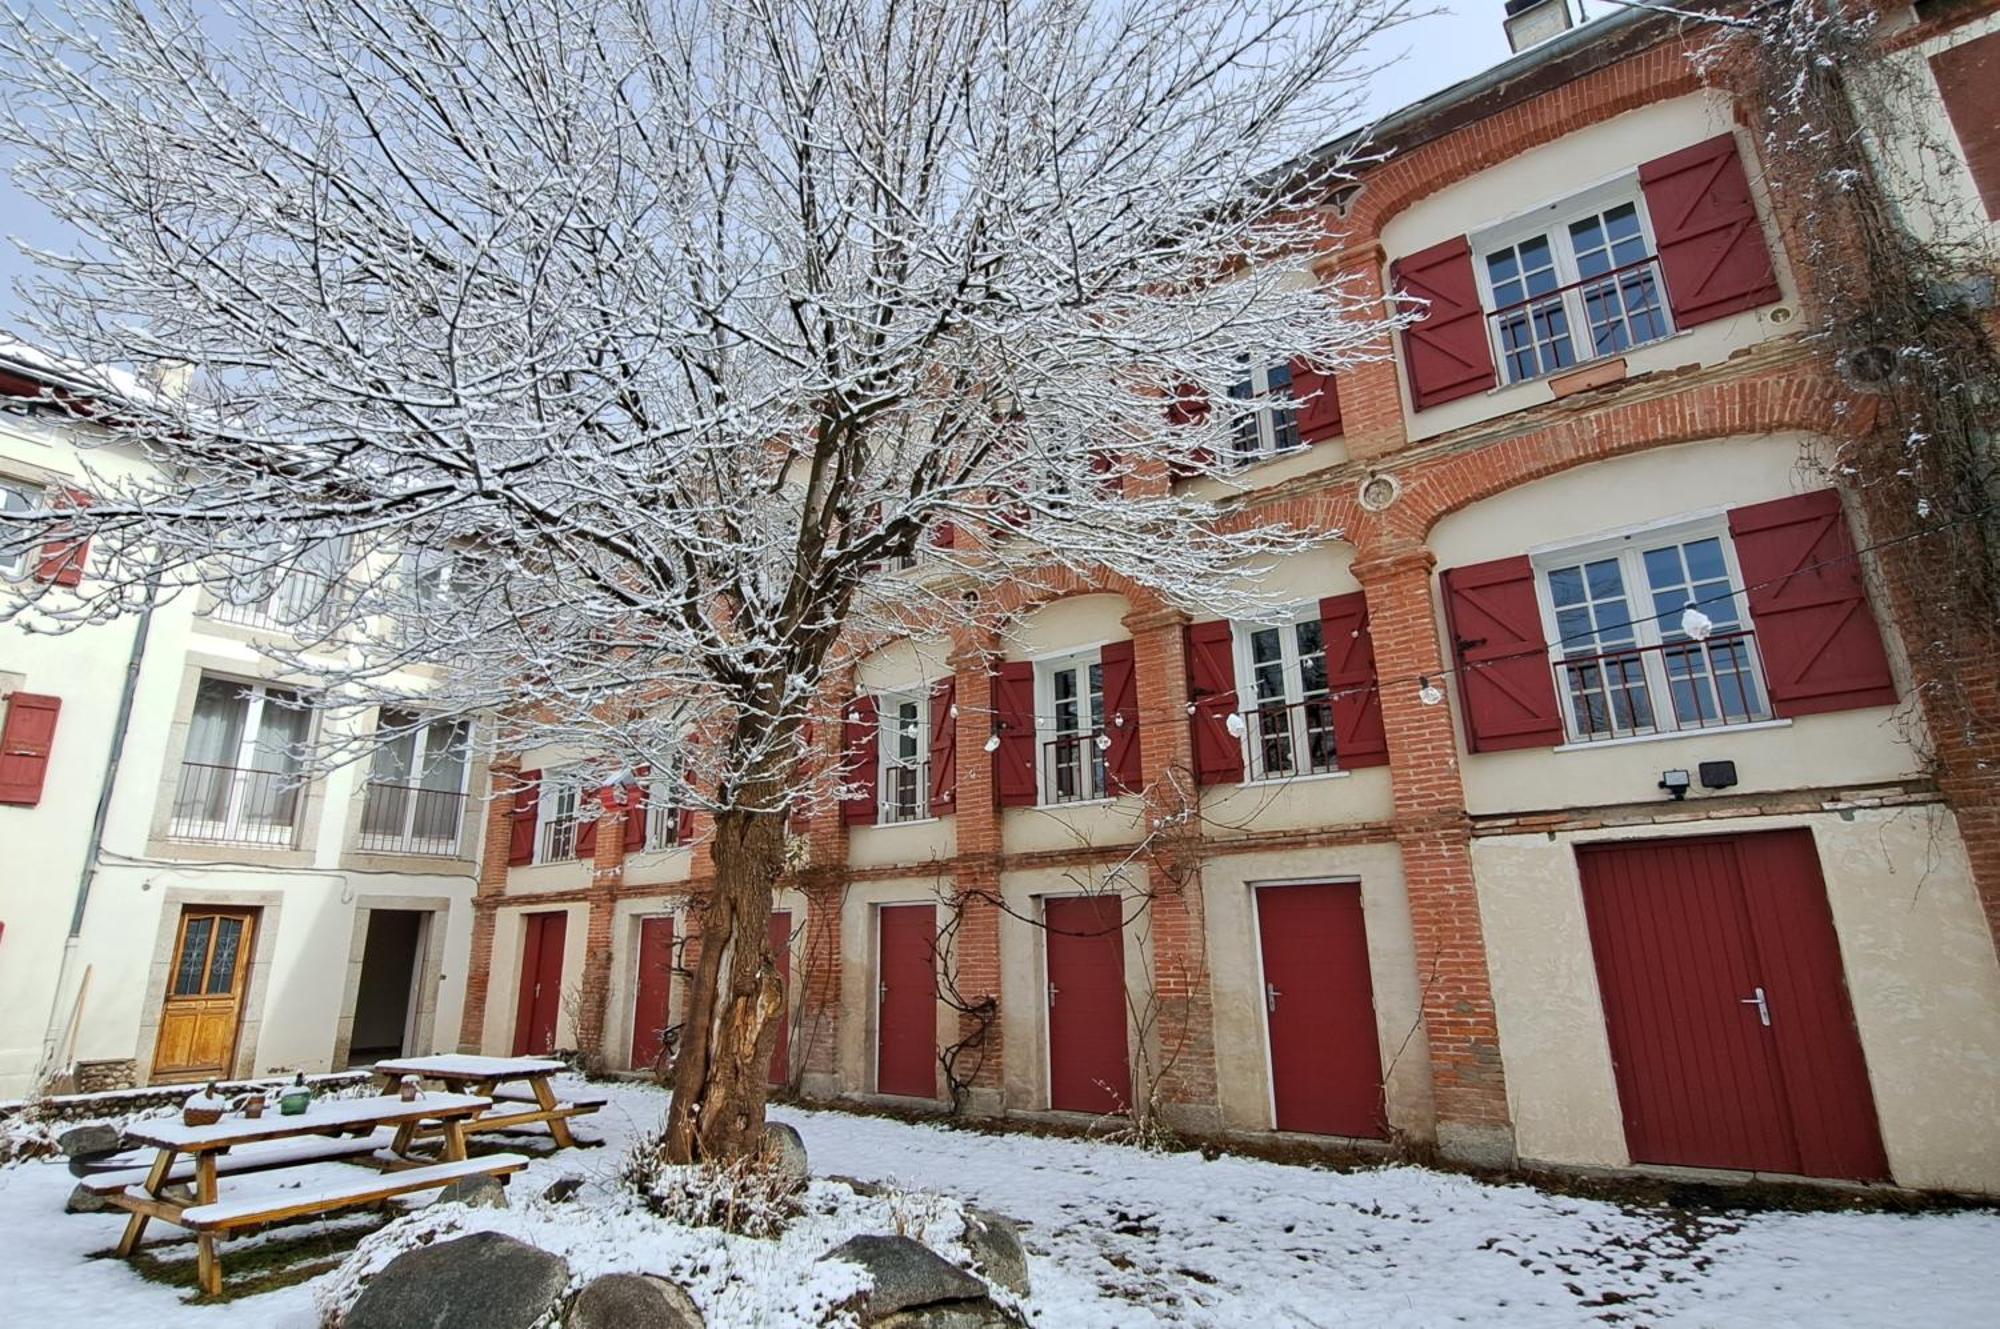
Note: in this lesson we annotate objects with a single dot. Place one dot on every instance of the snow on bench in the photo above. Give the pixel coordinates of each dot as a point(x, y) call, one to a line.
point(576, 1102)
point(250, 1158)
point(260, 1209)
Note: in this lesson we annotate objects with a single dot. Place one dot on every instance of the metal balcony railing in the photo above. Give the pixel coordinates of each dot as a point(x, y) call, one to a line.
point(410, 819)
point(905, 792)
point(1677, 685)
point(1282, 740)
point(1585, 320)
point(663, 825)
point(302, 602)
point(236, 805)
point(1073, 770)
point(559, 840)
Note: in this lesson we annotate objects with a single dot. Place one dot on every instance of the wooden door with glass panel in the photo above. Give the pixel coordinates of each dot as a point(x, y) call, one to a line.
point(203, 1010)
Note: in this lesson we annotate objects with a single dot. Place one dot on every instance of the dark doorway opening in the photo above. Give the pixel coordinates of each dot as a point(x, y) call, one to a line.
point(385, 1005)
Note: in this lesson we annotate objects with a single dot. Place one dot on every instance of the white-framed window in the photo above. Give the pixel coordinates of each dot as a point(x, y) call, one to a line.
point(242, 773)
point(903, 756)
point(1571, 282)
point(435, 580)
point(558, 816)
point(306, 594)
point(1628, 658)
point(414, 802)
point(664, 799)
point(1069, 729)
point(1267, 430)
point(15, 496)
point(1287, 710)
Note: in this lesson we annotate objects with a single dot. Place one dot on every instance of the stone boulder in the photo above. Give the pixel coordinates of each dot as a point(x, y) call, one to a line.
point(481, 1281)
point(905, 1275)
point(83, 1145)
point(979, 1313)
point(562, 1190)
point(84, 1201)
point(785, 1151)
point(995, 1243)
point(478, 1192)
point(633, 1301)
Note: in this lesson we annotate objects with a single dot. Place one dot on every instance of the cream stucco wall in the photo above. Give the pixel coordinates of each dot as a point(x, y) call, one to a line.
point(1921, 976)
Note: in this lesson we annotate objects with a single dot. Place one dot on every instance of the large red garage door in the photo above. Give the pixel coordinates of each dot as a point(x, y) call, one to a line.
point(1089, 1068)
point(1326, 1065)
point(1726, 1006)
point(906, 1002)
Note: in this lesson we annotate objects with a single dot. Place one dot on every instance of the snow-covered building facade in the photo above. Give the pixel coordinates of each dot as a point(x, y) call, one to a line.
point(176, 902)
point(1580, 811)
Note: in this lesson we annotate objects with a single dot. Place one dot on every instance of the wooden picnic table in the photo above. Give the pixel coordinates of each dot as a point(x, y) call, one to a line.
point(487, 1077)
point(208, 1214)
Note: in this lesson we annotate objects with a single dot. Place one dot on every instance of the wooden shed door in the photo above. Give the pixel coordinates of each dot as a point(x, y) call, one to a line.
point(781, 953)
point(202, 1014)
point(541, 983)
point(654, 984)
point(906, 1002)
point(1726, 1007)
point(1326, 1063)
point(1090, 1068)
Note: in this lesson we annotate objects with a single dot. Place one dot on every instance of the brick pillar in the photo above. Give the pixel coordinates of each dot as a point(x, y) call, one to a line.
point(1371, 394)
point(607, 874)
point(1183, 1040)
point(824, 881)
point(1473, 1122)
point(976, 877)
point(492, 887)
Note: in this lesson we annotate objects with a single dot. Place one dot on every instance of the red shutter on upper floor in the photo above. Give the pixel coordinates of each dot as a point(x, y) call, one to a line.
point(635, 811)
point(1121, 716)
point(944, 535)
point(860, 766)
point(586, 835)
point(944, 746)
point(1815, 634)
point(1358, 736)
point(1187, 406)
point(1968, 78)
point(521, 834)
point(1504, 682)
point(1711, 247)
point(1211, 666)
point(26, 741)
point(1014, 725)
point(1445, 352)
point(1319, 404)
point(684, 826)
point(63, 558)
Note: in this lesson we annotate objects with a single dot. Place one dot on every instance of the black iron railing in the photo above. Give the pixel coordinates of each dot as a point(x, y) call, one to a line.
point(236, 805)
point(410, 819)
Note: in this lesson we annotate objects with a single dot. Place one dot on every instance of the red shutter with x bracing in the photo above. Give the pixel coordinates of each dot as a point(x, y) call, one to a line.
point(1358, 735)
point(860, 768)
point(521, 833)
point(26, 743)
point(1445, 352)
point(635, 811)
point(1121, 716)
point(63, 557)
point(944, 747)
point(1014, 726)
point(1211, 664)
point(1712, 251)
point(1504, 681)
point(1818, 641)
point(1319, 404)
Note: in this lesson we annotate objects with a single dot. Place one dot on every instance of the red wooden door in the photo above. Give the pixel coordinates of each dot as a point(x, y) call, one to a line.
point(781, 954)
point(654, 985)
point(1326, 1063)
point(906, 1002)
point(1090, 1069)
point(1725, 1006)
point(541, 983)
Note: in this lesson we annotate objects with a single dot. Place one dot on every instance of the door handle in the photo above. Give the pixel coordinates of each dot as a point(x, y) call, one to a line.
point(1763, 1006)
point(1053, 989)
point(1271, 995)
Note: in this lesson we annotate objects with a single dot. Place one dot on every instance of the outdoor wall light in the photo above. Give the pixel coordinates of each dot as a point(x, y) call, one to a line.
point(1675, 783)
point(1718, 774)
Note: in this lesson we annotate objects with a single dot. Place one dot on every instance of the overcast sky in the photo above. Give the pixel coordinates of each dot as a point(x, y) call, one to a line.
point(1459, 40)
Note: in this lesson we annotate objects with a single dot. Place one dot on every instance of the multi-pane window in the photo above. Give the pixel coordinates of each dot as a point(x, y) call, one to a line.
point(305, 594)
point(1630, 657)
point(242, 774)
point(1071, 764)
point(14, 497)
point(1583, 283)
point(664, 799)
point(558, 814)
point(1267, 430)
point(904, 750)
point(1288, 721)
point(415, 798)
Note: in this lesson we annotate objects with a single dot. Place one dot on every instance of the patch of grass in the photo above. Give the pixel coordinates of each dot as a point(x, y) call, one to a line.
point(252, 1268)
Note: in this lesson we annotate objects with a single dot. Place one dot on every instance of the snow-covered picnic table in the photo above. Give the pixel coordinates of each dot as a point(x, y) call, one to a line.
point(490, 1077)
point(278, 1141)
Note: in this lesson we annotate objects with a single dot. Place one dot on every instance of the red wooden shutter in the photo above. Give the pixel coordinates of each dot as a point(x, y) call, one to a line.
point(1187, 406)
point(1712, 250)
point(1014, 724)
point(944, 746)
point(63, 557)
point(1445, 351)
point(861, 762)
point(684, 826)
point(1815, 634)
point(635, 812)
point(1121, 716)
point(1358, 736)
point(1504, 680)
point(1319, 404)
point(586, 834)
point(944, 535)
point(1968, 78)
point(1211, 662)
point(521, 835)
point(25, 744)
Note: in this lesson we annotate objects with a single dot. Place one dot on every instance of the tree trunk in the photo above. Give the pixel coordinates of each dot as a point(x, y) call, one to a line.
point(721, 1076)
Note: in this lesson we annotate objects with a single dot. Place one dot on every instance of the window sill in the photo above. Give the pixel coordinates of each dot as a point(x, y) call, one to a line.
point(1584, 366)
point(883, 824)
point(1274, 781)
point(1671, 734)
point(1075, 803)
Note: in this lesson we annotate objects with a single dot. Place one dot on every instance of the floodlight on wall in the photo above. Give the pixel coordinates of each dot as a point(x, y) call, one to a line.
point(1675, 783)
point(1532, 22)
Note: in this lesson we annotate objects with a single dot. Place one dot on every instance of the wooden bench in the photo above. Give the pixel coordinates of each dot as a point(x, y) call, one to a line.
point(578, 1103)
point(250, 1158)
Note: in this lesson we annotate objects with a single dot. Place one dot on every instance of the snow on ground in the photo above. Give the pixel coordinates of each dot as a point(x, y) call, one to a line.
point(1121, 1238)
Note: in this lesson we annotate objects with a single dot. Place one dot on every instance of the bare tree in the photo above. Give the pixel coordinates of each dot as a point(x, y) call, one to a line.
point(594, 366)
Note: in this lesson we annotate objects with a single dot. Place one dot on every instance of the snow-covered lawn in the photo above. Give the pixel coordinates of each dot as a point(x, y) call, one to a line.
point(1128, 1239)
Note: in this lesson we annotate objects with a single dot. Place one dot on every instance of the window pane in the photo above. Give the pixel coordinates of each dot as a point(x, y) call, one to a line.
point(193, 958)
point(222, 966)
point(1566, 585)
point(215, 735)
point(445, 750)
